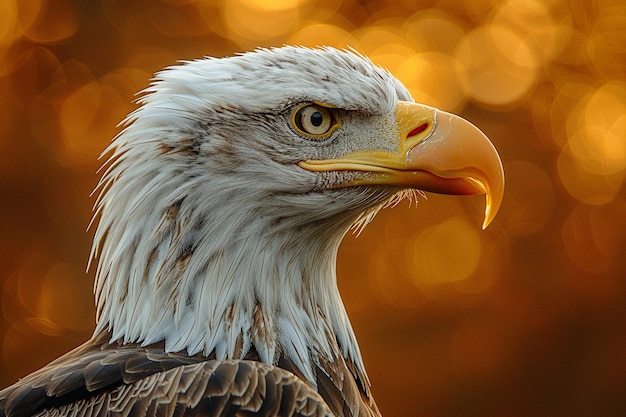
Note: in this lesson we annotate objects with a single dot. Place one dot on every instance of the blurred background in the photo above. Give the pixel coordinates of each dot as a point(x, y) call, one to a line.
point(527, 318)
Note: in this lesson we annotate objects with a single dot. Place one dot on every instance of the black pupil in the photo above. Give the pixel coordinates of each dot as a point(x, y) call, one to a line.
point(317, 119)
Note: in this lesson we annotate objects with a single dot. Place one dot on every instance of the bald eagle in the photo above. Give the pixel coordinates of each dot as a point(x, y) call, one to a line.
point(221, 209)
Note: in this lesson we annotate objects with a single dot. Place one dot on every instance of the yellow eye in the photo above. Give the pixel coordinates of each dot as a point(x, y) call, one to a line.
point(314, 120)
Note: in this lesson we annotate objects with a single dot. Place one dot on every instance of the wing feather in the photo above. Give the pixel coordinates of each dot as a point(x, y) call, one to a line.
point(99, 378)
point(207, 388)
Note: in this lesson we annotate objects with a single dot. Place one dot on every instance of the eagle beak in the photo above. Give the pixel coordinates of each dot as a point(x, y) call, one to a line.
point(437, 152)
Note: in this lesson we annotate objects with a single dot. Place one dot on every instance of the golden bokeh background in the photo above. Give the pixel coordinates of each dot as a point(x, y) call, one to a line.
point(527, 318)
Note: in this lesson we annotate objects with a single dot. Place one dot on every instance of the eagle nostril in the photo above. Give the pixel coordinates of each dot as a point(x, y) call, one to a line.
point(417, 130)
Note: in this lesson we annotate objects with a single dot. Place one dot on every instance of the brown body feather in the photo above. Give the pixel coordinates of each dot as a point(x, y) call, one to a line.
point(103, 379)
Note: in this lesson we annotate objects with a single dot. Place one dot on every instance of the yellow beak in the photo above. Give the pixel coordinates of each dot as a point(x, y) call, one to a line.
point(437, 151)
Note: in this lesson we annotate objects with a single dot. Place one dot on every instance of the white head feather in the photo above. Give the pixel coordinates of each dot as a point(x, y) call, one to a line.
point(210, 236)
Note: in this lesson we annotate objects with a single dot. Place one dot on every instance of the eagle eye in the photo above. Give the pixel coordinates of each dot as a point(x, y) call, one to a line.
point(314, 120)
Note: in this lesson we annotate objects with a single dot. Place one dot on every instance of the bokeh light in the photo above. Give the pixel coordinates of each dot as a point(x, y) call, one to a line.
point(497, 65)
point(447, 252)
point(526, 318)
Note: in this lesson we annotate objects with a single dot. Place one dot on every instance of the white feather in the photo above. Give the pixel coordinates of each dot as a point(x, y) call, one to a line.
point(203, 210)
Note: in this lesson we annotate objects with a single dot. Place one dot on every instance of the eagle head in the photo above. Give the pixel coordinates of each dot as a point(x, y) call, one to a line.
point(227, 193)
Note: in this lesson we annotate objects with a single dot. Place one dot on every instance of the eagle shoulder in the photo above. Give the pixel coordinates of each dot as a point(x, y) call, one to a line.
point(210, 388)
point(101, 379)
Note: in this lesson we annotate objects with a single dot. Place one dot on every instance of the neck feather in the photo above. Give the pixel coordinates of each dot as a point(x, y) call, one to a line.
point(224, 282)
